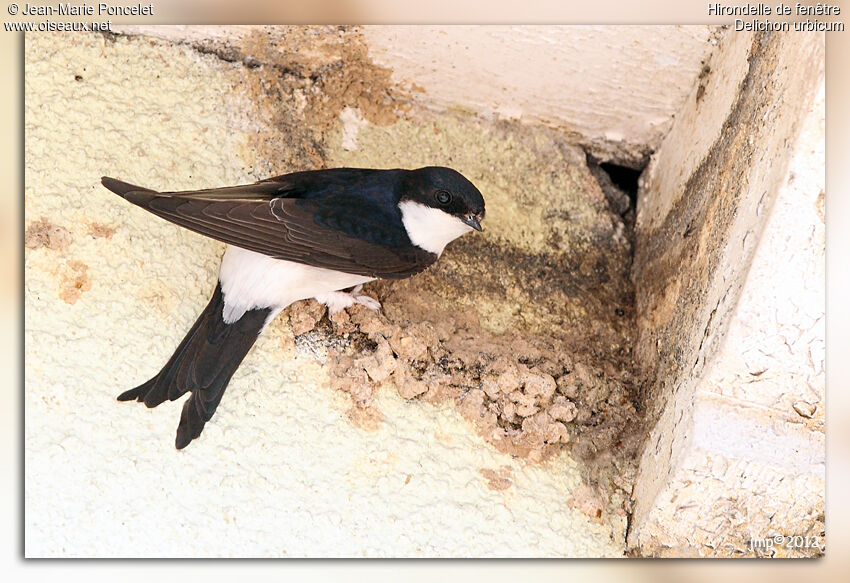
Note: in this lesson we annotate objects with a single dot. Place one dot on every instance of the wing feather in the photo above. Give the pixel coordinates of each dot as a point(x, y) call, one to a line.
point(285, 220)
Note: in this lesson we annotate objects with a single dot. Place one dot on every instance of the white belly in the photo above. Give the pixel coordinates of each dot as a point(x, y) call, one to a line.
point(251, 280)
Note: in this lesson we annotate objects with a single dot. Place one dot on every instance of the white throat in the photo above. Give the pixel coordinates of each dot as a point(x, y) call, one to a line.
point(430, 228)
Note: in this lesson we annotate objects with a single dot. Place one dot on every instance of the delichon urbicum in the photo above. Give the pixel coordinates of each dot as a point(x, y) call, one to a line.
point(301, 235)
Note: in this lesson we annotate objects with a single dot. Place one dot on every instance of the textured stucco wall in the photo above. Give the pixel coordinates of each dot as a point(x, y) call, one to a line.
point(730, 301)
point(292, 465)
point(613, 89)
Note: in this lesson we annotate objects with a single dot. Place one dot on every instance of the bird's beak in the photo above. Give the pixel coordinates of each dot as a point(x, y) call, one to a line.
point(472, 221)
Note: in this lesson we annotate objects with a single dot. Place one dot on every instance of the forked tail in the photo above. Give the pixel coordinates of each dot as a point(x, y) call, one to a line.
point(203, 364)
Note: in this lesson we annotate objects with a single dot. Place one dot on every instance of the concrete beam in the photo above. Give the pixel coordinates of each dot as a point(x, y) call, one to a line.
point(729, 275)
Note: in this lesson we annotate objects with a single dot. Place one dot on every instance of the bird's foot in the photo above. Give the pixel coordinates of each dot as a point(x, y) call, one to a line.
point(337, 301)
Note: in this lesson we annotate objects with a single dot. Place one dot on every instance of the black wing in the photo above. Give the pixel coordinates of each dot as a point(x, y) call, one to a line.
point(281, 218)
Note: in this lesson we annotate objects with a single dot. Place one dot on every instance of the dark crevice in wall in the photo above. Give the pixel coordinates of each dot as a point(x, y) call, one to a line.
point(619, 184)
point(625, 178)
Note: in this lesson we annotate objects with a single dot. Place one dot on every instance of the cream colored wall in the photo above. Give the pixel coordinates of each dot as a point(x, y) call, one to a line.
point(614, 88)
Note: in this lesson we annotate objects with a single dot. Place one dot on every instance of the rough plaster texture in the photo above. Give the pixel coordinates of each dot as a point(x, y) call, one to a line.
point(613, 89)
point(730, 312)
point(296, 463)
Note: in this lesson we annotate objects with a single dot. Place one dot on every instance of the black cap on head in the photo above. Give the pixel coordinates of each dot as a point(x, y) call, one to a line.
point(445, 189)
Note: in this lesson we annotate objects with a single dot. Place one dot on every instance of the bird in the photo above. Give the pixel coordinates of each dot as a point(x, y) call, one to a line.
point(312, 234)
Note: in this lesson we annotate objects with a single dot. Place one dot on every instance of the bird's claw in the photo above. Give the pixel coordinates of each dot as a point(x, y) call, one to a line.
point(337, 301)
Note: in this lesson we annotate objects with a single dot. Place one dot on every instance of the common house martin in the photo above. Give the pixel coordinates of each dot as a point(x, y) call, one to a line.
point(302, 235)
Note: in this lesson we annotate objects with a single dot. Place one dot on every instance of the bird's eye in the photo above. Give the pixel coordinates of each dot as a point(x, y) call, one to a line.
point(443, 197)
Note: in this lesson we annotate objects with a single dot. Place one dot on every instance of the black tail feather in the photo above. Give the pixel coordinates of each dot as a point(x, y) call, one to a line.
point(139, 392)
point(203, 364)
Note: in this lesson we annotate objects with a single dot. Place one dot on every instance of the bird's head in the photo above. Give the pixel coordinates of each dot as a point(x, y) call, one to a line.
point(438, 205)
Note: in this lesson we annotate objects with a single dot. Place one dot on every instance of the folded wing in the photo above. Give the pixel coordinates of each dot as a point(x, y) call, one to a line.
point(281, 218)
